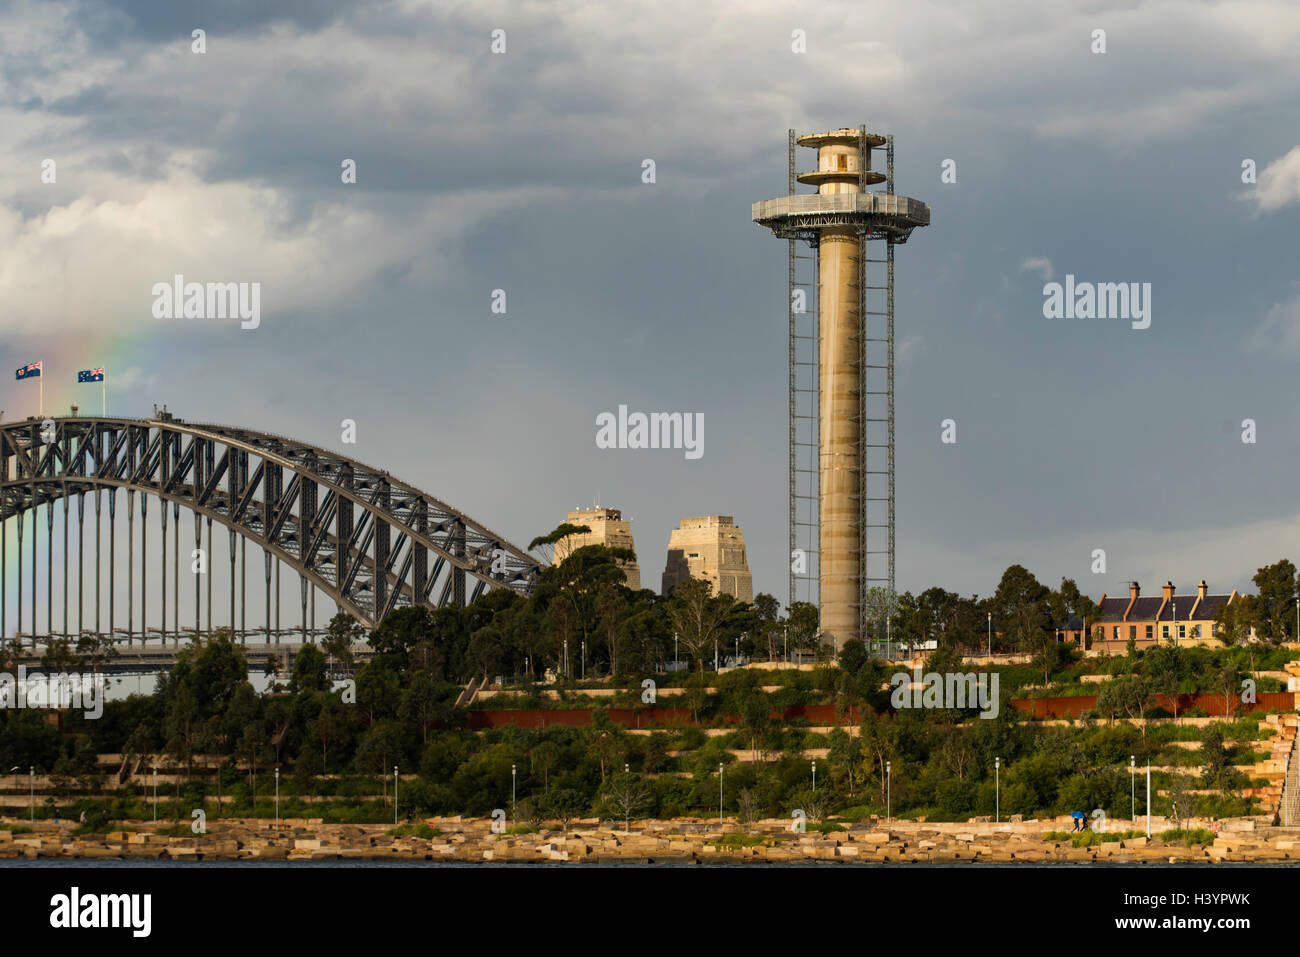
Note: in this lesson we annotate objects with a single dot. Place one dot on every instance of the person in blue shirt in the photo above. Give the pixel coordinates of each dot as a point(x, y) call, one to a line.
point(1080, 820)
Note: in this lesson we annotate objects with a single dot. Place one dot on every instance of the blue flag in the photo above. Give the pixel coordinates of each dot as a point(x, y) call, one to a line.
point(91, 375)
point(29, 371)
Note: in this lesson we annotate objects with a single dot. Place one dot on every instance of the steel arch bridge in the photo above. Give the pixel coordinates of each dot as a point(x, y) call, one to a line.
point(366, 540)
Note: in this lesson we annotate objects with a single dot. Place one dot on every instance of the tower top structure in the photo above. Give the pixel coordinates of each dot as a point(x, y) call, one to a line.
point(841, 375)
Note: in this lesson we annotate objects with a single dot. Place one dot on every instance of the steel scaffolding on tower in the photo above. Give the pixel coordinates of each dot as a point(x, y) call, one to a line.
point(841, 375)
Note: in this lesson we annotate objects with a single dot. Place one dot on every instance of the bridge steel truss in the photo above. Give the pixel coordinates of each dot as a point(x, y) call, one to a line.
point(366, 540)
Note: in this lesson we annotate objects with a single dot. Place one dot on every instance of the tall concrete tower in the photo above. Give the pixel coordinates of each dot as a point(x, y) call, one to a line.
point(841, 372)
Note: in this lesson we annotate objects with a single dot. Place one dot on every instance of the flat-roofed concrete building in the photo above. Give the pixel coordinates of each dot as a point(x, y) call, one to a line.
point(711, 547)
point(607, 528)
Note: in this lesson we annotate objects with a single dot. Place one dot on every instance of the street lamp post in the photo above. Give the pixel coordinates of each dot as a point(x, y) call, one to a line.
point(676, 663)
point(814, 774)
point(155, 795)
point(990, 634)
point(277, 797)
point(584, 658)
point(1132, 787)
point(889, 787)
point(31, 773)
point(394, 795)
point(513, 803)
point(720, 826)
point(1148, 798)
point(997, 806)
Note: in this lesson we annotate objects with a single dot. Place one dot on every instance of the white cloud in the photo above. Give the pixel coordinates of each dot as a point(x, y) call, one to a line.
point(1279, 331)
point(1279, 184)
point(95, 260)
point(1040, 264)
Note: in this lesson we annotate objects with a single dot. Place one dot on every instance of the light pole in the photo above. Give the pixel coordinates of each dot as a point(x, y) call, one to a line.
point(155, 795)
point(785, 644)
point(1297, 619)
point(676, 663)
point(277, 797)
point(394, 795)
point(715, 654)
point(31, 774)
point(720, 796)
point(566, 657)
point(513, 804)
point(814, 774)
point(584, 658)
point(1132, 788)
point(997, 806)
point(1148, 798)
point(889, 788)
point(990, 634)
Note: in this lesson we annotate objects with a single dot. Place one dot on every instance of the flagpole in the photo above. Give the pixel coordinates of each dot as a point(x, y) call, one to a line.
point(103, 394)
point(41, 412)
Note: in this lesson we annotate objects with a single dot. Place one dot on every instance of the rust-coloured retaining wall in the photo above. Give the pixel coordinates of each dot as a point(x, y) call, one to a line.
point(1212, 703)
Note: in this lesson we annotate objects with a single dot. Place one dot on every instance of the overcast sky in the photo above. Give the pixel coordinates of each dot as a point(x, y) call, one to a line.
point(522, 171)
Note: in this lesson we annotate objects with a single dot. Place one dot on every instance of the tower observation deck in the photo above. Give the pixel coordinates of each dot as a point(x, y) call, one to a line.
point(841, 389)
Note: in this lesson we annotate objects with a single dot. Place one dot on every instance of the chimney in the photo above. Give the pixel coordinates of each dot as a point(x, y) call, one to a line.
point(1133, 592)
point(1200, 590)
point(1169, 591)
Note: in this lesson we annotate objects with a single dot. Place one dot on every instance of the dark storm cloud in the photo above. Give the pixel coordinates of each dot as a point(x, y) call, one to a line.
point(108, 23)
point(1071, 434)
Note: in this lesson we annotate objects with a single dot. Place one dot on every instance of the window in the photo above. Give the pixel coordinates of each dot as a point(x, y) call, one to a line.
point(1214, 629)
point(1117, 632)
point(1150, 634)
point(1182, 631)
point(1132, 632)
point(1164, 631)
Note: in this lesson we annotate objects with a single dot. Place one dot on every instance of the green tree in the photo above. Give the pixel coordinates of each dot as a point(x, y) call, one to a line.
point(308, 670)
point(1276, 602)
point(803, 622)
point(342, 633)
point(624, 797)
point(755, 717)
point(697, 616)
point(1021, 610)
point(544, 757)
point(1166, 667)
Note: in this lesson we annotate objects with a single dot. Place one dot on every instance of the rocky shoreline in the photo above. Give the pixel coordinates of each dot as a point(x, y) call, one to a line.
point(684, 841)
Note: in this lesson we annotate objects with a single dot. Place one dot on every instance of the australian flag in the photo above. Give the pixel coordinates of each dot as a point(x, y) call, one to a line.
point(29, 371)
point(91, 375)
